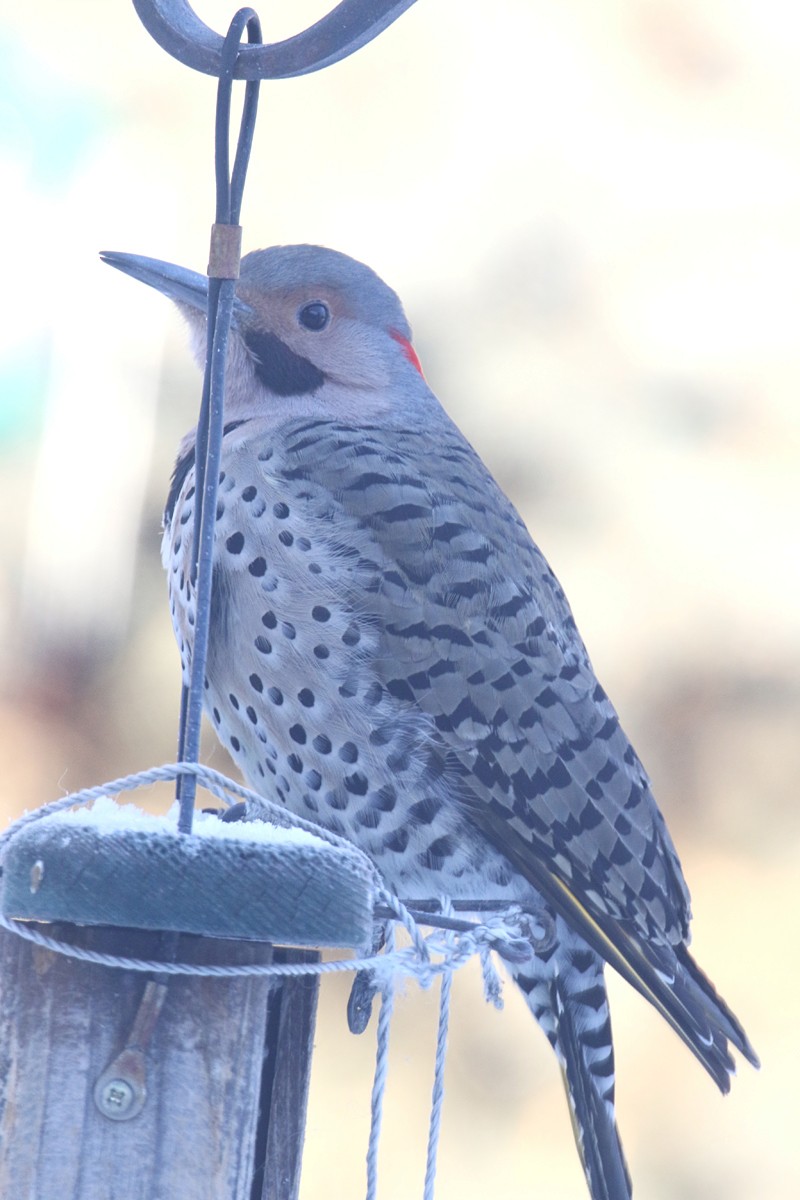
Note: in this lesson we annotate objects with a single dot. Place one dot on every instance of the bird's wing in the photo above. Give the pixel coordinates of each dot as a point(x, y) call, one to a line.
point(477, 633)
point(470, 635)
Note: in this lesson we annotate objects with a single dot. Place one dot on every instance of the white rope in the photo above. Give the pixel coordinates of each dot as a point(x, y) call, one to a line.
point(403, 962)
point(437, 1097)
point(215, 782)
point(437, 953)
point(381, 1074)
point(414, 960)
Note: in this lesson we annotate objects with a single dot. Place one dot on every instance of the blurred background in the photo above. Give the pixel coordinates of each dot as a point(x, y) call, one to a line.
point(592, 213)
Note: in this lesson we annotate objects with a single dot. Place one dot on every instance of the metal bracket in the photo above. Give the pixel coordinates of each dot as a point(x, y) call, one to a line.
point(352, 24)
point(121, 1090)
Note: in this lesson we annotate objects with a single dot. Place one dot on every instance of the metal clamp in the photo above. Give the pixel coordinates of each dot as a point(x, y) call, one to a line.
point(121, 1091)
point(348, 27)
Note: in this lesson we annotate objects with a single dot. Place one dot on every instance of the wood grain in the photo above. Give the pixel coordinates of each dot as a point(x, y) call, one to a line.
point(63, 1021)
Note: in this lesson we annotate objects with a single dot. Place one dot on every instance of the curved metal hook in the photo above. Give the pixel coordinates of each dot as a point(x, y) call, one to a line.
point(178, 30)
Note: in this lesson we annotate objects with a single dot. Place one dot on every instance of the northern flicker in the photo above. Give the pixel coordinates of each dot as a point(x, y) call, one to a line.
point(391, 656)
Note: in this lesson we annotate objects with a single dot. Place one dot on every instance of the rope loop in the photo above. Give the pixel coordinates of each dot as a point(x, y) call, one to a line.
point(429, 955)
point(432, 955)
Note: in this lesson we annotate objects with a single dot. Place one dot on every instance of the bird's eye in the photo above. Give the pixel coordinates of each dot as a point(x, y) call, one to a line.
point(314, 316)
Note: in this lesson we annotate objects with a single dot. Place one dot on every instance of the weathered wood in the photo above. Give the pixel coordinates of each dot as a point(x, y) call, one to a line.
point(63, 1021)
point(298, 894)
point(116, 1087)
point(287, 1072)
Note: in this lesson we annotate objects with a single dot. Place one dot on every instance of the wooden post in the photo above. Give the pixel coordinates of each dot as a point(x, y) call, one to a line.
point(284, 1084)
point(125, 1086)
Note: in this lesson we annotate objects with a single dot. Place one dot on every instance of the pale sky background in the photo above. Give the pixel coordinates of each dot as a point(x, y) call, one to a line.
point(591, 209)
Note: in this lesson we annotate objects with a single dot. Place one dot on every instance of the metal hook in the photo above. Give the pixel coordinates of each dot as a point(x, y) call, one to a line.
point(178, 30)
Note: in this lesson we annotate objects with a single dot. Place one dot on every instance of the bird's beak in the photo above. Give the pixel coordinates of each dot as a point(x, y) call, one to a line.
point(185, 287)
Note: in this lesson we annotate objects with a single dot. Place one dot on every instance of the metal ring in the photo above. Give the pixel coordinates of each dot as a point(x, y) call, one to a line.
point(178, 30)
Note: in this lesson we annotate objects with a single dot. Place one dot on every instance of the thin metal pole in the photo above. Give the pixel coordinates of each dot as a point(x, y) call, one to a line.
point(211, 420)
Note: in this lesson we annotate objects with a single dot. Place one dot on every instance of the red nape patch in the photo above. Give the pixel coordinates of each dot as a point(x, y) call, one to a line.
point(408, 350)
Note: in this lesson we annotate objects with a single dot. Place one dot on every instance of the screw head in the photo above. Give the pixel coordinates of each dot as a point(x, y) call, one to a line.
point(115, 1098)
point(121, 1091)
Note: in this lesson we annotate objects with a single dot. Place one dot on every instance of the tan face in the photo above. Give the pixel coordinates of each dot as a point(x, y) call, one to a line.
point(296, 332)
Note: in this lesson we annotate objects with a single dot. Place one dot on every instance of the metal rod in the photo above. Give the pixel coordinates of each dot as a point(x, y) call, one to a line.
point(348, 27)
point(210, 424)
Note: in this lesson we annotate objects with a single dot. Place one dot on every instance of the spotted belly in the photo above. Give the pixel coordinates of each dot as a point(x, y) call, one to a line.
point(296, 693)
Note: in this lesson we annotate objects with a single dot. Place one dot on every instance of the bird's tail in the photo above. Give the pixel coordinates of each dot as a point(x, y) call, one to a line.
point(571, 1006)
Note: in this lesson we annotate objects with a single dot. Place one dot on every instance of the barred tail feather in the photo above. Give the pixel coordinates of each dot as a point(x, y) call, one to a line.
point(593, 1122)
point(663, 972)
point(669, 978)
point(729, 1024)
point(566, 992)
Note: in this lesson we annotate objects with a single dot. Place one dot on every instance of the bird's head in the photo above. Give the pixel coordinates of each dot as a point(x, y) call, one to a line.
point(312, 330)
